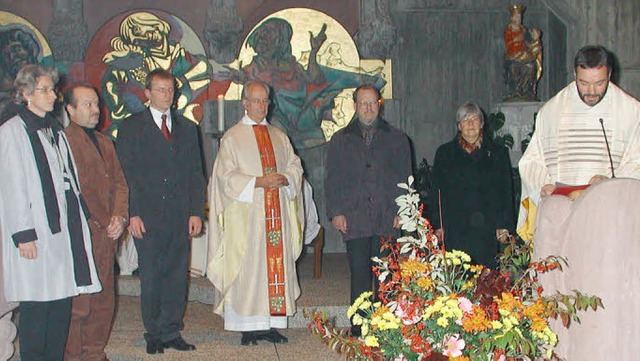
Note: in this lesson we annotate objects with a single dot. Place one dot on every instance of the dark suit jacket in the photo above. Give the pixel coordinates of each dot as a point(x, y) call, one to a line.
point(102, 182)
point(361, 182)
point(166, 183)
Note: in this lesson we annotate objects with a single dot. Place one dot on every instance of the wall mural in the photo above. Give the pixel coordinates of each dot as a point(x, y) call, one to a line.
point(20, 44)
point(134, 43)
point(313, 66)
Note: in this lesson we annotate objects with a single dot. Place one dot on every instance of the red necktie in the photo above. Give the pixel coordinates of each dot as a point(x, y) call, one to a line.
point(164, 128)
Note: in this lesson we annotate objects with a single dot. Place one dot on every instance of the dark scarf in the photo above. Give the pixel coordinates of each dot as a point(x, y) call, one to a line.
point(33, 124)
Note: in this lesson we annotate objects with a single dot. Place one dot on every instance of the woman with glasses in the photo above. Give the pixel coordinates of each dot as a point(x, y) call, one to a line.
point(45, 237)
point(470, 204)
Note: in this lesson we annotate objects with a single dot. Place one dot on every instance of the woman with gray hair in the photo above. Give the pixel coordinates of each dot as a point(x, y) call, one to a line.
point(45, 237)
point(470, 204)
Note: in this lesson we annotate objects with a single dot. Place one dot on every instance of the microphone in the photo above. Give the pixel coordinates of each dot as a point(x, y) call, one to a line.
point(613, 174)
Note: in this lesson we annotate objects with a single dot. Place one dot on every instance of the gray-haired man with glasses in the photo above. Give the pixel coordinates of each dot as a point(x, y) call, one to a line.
point(365, 162)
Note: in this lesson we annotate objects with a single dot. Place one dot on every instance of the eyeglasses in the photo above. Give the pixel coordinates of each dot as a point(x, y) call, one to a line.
point(470, 118)
point(370, 104)
point(259, 101)
point(163, 90)
point(46, 90)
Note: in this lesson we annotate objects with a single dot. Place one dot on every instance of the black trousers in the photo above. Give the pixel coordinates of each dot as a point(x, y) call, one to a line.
point(359, 252)
point(43, 328)
point(163, 259)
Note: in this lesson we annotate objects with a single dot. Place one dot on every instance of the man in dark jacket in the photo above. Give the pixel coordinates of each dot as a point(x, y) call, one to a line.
point(365, 162)
point(160, 157)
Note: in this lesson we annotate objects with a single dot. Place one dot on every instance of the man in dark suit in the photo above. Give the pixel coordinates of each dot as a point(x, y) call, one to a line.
point(160, 156)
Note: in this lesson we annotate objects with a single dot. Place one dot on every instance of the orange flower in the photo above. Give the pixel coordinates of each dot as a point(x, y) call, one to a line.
point(411, 267)
point(425, 283)
point(476, 321)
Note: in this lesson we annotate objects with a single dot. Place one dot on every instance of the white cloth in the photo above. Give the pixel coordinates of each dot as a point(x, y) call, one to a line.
point(22, 207)
point(568, 145)
point(599, 234)
point(311, 223)
point(237, 246)
point(127, 256)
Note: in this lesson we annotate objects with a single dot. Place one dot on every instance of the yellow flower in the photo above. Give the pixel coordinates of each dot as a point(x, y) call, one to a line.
point(442, 322)
point(364, 329)
point(371, 341)
point(357, 319)
point(365, 305)
point(496, 325)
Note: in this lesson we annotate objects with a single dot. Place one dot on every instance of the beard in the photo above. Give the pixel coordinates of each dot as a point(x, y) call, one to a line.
point(595, 97)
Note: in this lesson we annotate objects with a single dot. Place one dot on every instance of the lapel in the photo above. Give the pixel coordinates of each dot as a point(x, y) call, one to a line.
point(86, 153)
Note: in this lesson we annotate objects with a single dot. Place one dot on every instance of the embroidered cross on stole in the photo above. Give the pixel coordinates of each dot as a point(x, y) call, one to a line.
point(273, 226)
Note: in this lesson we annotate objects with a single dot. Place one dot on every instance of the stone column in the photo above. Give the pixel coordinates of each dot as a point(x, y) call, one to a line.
point(222, 30)
point(68, 32)
point(377, 33)
point(519, 120)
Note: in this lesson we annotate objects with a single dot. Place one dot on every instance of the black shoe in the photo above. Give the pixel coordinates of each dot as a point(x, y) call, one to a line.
point(154, 346)
point(179, 344)
point(248, 338)
point(272, 336)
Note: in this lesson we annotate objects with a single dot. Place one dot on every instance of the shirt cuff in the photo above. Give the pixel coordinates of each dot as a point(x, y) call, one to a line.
point(25, 236)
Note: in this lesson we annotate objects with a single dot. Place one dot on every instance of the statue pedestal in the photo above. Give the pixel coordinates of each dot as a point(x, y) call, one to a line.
point(519, 121)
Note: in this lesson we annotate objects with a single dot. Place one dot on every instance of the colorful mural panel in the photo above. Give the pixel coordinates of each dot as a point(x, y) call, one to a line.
point(312, 64)
point(134, 43)
point(20, 44)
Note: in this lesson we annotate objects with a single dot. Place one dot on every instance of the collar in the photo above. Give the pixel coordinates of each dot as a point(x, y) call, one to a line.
point(34, 122)
point(379, 124)
point(248, 121)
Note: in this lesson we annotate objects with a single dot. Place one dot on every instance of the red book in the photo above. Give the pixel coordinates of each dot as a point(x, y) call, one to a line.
point(565, 189)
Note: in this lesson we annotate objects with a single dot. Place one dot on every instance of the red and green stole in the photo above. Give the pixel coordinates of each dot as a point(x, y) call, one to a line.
point(273, 226)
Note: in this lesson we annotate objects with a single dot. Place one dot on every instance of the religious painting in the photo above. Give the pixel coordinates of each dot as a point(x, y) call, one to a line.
point(134, 43)
point(20, 44)
point(312, 64)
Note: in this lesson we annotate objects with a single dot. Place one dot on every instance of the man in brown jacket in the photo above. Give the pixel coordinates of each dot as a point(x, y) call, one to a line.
point(106, 195)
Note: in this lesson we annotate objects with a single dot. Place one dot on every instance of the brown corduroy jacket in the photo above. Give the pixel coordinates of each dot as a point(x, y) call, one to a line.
point(102, 182)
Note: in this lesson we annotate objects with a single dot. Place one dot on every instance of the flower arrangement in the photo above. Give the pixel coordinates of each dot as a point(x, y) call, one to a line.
point(433, 304)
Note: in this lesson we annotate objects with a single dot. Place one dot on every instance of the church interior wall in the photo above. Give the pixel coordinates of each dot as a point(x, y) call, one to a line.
point(446, 52)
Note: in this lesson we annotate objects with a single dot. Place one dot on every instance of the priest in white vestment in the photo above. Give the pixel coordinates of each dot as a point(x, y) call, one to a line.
point(238, 266)
point(569, 144)
point(569, 147)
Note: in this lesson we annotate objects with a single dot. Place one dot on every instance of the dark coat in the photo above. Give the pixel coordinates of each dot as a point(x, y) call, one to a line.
point(361, 182)
point(477, 198)
point(162, 175)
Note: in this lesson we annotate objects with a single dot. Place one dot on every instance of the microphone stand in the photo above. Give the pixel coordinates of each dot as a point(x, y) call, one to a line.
point(613, 174)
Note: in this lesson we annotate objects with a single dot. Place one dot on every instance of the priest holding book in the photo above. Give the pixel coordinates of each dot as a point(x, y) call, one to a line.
point(588, 132)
